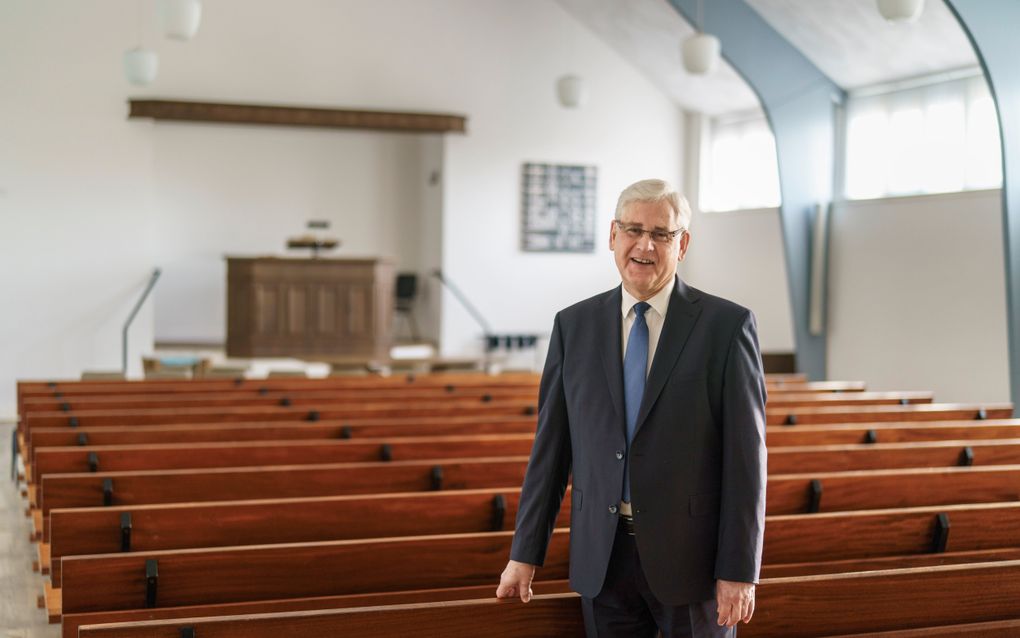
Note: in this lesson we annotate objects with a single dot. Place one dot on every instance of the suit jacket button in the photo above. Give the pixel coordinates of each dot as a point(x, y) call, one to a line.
point(619, 455)
point(612, 509)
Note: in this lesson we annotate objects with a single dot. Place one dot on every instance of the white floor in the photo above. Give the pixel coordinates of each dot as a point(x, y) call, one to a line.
point(19, 585)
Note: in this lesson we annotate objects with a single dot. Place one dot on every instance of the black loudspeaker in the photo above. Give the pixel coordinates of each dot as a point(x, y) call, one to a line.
point(406, 291)
point(407, 287)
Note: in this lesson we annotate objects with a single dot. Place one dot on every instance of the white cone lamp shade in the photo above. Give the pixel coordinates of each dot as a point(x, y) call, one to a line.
point(901, 10)
point(700, 53)
point(180, 18)
point(571, 91)
point(140, 66)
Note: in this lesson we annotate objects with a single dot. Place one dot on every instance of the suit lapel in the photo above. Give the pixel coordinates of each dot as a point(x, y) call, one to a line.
point(610, 326)
point(681, 316)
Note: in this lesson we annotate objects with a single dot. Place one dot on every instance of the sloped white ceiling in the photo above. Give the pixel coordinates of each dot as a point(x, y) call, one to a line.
point(648, 34)
point(852, 44)
point(846, 39)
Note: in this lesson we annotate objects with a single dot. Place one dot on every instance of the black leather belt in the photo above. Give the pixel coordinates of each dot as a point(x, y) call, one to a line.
point(626, 524)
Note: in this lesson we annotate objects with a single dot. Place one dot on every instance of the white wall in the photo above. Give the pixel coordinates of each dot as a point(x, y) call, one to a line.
point(90, 201)
point(242, 190)
point(917, 295)
point(916, 289)
point(74, 194)
point(739, 255)
point(495, 62)
point(629, 130)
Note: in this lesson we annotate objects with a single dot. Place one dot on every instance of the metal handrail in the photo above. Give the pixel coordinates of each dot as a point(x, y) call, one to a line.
point(127, 324)
point(438, 274)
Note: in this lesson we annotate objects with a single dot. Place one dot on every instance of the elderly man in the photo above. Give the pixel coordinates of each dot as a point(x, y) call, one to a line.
point(653, 397)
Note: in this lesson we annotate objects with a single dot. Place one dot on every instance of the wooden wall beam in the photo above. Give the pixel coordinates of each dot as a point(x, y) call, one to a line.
point(187, 111)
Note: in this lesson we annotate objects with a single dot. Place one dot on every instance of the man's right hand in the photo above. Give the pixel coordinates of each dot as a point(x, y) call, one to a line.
point(516, 581)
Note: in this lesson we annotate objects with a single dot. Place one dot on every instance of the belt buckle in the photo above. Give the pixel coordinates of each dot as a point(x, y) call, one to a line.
point(627, 524)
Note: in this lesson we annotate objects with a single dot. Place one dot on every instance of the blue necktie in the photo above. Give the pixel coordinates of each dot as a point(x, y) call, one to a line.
point(635, 365)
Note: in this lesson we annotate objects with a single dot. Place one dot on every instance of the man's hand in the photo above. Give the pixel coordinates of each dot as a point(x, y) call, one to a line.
point(735, 602)
point(516, 581)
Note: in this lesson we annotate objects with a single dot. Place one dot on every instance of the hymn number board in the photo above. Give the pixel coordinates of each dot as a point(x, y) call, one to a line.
point(558, 204)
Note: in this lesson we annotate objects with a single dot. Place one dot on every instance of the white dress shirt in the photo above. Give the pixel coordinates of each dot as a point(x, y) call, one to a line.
point(654, 317)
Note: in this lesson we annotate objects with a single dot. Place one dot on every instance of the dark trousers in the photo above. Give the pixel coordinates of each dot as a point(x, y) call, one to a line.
point(626, 608)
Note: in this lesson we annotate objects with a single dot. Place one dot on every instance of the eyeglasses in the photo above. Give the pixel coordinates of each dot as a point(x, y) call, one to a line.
point(658, 236)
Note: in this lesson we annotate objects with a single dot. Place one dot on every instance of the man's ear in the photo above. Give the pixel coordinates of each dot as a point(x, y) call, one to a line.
point(684, 243)
point(612, 235)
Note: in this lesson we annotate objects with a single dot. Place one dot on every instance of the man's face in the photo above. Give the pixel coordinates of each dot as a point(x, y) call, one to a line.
point(646, 265)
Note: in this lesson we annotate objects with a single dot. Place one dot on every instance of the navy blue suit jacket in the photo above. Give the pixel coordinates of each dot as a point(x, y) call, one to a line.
point(697, 460)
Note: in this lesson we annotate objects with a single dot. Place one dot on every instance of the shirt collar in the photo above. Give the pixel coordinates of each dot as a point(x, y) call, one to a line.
point(659, 302)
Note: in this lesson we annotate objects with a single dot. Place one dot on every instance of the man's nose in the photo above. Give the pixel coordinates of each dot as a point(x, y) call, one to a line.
point(646, 243)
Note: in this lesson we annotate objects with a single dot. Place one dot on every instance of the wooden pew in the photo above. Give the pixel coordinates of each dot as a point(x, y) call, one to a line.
point(779, 416)
point(274, 413)
point(884, 489)
point(61, 435)
point(891, 532)
point(62, 389)
point(66, 391)
point(268, 521)
point(874, 448)
point(219, 575)
point(881, 413)
point(779, 436)
point(998, 628)
point(72, 621)
point(273, 431)
point(294, 570)
point(298, 570)
point(782, 460)
point(891, 432)
point(778, 400)
point(263, 396)
point(286, 451)
point(799, 607)
point(121, 458)
point(842, 535)
point(897, 599)
point(295, 430)
point(815, 386)
point(314, 397)
point(787, 494)
point(225, 484)
point(842, 458)
point(538, 618)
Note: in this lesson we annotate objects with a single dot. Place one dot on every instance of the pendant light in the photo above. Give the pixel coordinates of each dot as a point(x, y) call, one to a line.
point(901, 10)
point(180, 18)
point(140, 64)
point(700, 51)
point(571, 91)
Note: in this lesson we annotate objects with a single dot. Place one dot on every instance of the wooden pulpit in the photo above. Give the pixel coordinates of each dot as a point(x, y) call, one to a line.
point(293, 307)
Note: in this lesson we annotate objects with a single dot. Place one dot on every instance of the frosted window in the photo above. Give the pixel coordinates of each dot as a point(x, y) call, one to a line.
point(934, 139)
point(739, 171)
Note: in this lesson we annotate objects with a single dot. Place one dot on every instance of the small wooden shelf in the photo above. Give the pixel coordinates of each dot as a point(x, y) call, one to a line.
point(186, 111)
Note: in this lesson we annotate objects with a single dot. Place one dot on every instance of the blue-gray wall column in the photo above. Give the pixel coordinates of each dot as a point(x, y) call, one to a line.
point(992, 26)
point(799, 101)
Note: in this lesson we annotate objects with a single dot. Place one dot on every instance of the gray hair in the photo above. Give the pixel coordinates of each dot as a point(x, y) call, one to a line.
point(652, 191)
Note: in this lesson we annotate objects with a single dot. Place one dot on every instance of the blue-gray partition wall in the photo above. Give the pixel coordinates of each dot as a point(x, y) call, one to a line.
point(993, 27)
point(800, 104)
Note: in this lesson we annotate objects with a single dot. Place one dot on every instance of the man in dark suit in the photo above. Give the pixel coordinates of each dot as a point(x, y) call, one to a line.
point(653, 397)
